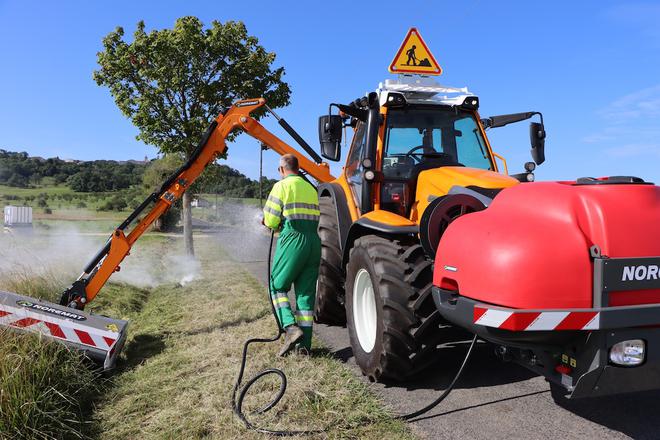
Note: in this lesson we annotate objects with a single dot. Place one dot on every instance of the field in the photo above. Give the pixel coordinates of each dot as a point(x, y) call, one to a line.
point(176, 372)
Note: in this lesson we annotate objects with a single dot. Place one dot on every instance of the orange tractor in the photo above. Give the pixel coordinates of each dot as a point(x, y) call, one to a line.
point(404, 156)
point(415, 143)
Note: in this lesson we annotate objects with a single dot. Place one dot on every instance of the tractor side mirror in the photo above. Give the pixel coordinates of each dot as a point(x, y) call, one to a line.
point(537, 139)
point(330, 127)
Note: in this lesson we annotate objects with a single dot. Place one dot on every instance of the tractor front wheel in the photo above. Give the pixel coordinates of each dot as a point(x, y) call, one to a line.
point(393, 324)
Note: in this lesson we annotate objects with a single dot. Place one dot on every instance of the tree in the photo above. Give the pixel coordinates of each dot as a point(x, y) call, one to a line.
point(171, 83)
point(155, 174)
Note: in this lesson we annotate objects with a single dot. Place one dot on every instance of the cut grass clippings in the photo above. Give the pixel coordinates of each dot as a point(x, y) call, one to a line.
point(183, 355)
point(178, 367)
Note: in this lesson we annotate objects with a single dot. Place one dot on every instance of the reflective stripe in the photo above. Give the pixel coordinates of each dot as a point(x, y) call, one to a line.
point(275, 200)
point(302, 217)
point(273, 207)
point(282, 304)
point(292, 198)
point(305, 318)
point(281, 300)
point(272, 211)
point(314, 206)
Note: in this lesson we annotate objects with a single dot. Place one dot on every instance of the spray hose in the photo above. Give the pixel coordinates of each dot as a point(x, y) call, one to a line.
point(239, 396)
point(239, 393)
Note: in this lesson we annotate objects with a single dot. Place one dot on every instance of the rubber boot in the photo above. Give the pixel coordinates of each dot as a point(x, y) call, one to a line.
point(293, 335)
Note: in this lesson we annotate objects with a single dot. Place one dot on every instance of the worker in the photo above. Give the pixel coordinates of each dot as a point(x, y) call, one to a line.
point(293, 209)
point(411, 56)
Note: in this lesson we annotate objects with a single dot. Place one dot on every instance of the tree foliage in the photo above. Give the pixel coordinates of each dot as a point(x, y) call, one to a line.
point(226, 181)
point(21, 170)
point(171, 83)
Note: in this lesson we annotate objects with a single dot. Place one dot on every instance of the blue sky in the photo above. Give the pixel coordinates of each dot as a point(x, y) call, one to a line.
point(592, 68)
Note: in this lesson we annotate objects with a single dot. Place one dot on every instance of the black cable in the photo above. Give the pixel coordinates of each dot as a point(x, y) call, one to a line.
point(237, 401)
point(446, 392)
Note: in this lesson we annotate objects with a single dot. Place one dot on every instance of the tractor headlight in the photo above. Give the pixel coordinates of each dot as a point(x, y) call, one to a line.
point(628, 353)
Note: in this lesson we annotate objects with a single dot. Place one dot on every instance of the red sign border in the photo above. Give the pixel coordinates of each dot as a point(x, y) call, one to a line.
point(403, 45)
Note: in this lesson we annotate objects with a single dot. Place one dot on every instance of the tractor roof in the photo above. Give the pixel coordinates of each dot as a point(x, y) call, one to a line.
point(422, 90)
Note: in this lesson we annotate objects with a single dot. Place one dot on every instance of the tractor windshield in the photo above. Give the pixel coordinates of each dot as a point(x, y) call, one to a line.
point(418, 139)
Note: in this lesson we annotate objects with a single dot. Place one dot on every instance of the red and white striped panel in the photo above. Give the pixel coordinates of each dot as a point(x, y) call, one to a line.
point(75, 332)
point(537, 320)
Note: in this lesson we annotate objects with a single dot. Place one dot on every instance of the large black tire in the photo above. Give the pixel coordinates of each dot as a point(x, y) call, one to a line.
point(407, 331)
point(329, 307)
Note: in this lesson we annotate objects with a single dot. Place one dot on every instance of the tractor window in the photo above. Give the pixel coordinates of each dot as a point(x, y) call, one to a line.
point(470, 146)
point(354, 166)
point(402, 138)
point(423, 138)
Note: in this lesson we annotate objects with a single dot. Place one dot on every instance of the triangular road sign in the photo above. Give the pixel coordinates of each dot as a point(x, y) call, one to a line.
point(415, 57)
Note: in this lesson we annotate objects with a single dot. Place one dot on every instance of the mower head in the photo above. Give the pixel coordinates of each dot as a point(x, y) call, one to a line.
point(98, 337)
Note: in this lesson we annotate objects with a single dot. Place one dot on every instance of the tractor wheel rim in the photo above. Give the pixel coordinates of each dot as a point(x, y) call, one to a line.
point(365, 316)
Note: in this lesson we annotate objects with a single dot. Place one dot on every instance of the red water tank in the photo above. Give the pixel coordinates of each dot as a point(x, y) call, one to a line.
point(530, 247)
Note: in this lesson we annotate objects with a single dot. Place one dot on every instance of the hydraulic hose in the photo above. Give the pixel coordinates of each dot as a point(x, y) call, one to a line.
point(239, 393)
point(446, 392)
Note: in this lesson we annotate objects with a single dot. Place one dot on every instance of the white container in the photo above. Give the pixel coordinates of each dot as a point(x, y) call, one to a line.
point(18, 215)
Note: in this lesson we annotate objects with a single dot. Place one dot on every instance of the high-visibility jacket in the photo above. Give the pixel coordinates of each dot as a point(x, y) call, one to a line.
point(292, 199)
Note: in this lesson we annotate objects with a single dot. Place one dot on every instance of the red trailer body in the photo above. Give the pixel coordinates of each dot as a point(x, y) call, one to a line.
point(530, 248)
point(557, 274)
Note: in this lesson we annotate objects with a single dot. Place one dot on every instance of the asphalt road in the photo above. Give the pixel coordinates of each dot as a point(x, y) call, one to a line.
point(493, 400)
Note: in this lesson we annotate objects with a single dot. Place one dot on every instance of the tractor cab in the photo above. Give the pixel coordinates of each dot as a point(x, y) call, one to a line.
point(414, 140)
point(422, 137)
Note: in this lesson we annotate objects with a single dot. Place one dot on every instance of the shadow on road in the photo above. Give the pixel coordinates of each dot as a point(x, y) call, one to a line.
point(465, 408)
point(476, 374)
point(635, 414)
point(441, 372)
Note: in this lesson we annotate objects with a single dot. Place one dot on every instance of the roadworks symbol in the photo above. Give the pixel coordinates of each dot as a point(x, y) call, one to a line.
point(414, 56)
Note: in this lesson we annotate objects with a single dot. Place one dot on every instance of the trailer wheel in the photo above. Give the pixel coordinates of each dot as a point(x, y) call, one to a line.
point(329, 307)
point(392, 321)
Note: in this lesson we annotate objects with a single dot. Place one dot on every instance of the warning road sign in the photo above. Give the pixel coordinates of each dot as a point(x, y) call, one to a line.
point(415, 57)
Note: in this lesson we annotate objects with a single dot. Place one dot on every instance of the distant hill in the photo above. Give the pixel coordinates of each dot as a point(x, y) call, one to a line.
point(24, 171)
point(21, 170)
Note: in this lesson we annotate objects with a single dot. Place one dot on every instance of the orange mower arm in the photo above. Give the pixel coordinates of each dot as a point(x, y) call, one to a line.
point(107, 260)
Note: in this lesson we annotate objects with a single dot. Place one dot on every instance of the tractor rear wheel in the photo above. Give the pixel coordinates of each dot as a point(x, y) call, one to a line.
point(329, 307)
point(392, 321)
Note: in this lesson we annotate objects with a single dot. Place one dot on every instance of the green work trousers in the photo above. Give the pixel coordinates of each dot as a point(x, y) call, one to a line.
point(296, 262)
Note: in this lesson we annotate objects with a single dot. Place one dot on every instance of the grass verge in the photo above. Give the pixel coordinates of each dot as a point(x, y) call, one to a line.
point(177, 369)
point(45, 389)
point(183, 354)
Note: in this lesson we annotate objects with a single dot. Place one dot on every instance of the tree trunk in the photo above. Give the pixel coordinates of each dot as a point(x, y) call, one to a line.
point(187, 224)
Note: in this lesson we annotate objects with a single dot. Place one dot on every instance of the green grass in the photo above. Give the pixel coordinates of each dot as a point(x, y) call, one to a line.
point(45, 390)
point(25, 192)
point(211, 198)
point(177, 369)
point(229, 211)
point(183, 354)
point(58, 197)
